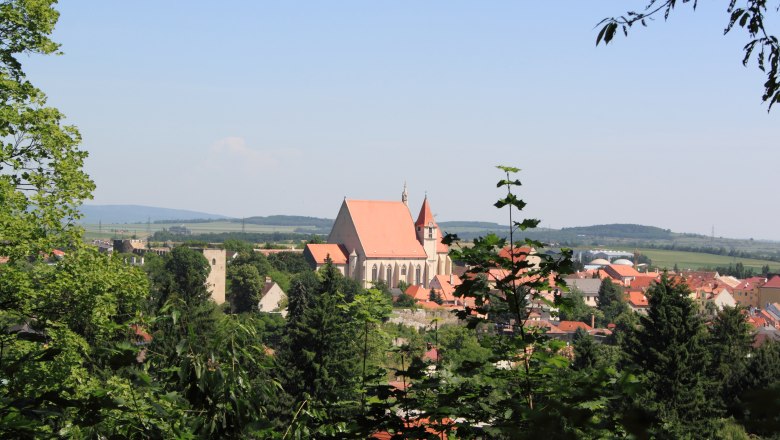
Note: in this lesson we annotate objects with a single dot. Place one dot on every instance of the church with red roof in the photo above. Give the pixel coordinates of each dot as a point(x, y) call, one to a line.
point(376, 240)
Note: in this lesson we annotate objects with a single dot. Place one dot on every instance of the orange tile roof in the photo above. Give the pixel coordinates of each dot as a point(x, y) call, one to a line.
point(521, 253)
point(385, 229)
point(418, 292)
point(446, 289)
point(572, 326)
point(623, 271)
point(319, 252)
point(638, 299)
point(643, 282)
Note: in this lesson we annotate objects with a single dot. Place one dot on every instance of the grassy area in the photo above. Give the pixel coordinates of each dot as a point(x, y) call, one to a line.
point(127, 230)
point(694, 260)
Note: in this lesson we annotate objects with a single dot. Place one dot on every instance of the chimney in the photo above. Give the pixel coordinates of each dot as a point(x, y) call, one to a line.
point(268, 280)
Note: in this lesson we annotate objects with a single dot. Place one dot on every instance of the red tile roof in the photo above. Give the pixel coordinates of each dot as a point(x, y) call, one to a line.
point(638, 299)
point(426, 217)
point(418, 292)
point(385, 229)
point(773, 283)
point(319, 252)
point(751, 283)
point(623, 271)
point(571, 326)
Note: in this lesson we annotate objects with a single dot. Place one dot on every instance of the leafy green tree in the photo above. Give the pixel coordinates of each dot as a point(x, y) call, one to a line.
point(245, 288)
point(670, 353)
point(291, 262)
point(180, 274)
point(42, 182)
point(611, 302)
point(572, 307)
point(751, 18)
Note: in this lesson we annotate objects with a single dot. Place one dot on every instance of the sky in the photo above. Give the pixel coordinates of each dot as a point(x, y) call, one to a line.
point(247, 108)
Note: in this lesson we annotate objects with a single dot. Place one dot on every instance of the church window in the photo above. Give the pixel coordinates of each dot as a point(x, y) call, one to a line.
point(417, 276)
point(374, 273)
point(403, 270)
point(389, 275)
point(213, 261)
point(430, 232)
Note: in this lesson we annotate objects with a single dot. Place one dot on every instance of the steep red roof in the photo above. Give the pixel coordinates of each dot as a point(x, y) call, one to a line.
point(418, 292)
point(319, 252)
point(426, 216)
point(385, 229)
point(773, 283)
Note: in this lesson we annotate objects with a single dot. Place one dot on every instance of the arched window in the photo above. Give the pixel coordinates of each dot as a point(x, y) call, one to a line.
point(374, 273)
point(389, 274)
point(417, 275)
point(213, 261)
point(403, 271)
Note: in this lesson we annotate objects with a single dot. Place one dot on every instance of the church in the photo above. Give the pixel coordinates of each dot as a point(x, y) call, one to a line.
point(375, 240)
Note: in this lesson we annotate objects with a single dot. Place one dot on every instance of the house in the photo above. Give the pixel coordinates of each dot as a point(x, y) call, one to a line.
point(271, 298)
point(380, 241)
point(318, 254)
point(769, 292)
point(624, 274)
point(637, 301)
point(721, 297)
point(746, 292)
point(588, 287)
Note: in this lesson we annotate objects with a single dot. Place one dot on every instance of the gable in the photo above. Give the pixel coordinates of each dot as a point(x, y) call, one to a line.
point(381, 229)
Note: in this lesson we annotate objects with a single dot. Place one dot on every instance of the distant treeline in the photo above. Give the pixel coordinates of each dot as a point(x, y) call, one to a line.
point(251, 237)
point(715, 251)
point(288, 220)
point(620, 231)
point(192, 220)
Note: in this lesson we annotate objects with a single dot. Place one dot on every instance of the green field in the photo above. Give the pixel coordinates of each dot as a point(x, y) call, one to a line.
point(693, 260)
point(141, 230)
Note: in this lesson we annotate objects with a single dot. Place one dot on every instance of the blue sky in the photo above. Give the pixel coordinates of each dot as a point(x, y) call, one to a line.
point(261, 108)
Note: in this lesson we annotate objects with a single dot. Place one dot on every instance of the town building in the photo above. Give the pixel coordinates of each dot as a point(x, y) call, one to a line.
point(375, 240)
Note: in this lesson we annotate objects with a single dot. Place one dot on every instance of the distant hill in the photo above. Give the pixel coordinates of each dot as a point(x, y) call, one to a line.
point(139, 214)
point(620, 230)
point(471, 225)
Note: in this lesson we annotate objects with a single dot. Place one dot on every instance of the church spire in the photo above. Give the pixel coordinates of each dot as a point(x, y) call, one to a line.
point(405, 195)
point(426, 217)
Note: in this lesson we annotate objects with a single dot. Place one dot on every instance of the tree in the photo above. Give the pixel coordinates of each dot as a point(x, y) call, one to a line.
point(245, 287)
point(750, 17)
point(41, 178)
point(610, 301)
point(584, 350)
point(573, 307)
point(670, 354)
point(731, 341)
point(318, 366)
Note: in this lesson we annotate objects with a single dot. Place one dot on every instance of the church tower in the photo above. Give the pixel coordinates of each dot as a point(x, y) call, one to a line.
point(428, 236)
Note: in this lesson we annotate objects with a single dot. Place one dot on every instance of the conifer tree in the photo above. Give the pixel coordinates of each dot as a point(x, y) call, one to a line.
point(610, 301)
point(731, 342)
point(670, 354)
point(317, 357)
